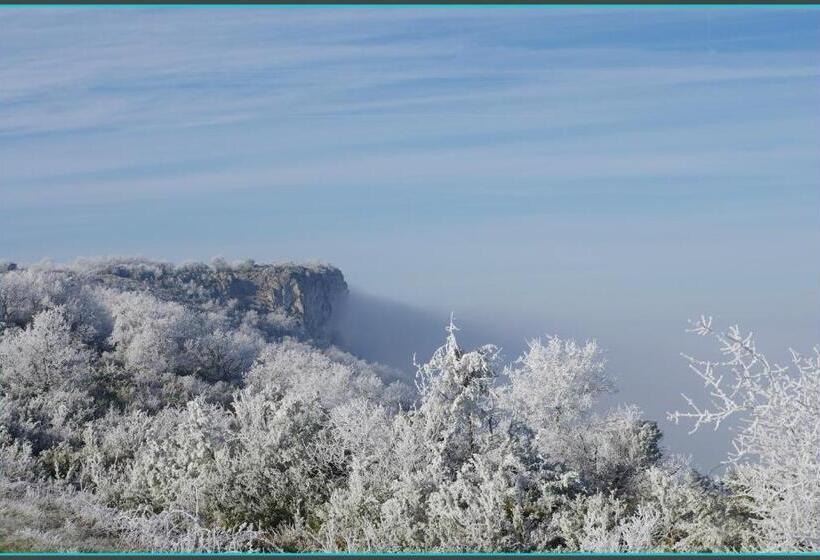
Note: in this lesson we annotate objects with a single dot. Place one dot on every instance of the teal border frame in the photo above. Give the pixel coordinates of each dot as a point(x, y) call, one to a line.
point(680, 4)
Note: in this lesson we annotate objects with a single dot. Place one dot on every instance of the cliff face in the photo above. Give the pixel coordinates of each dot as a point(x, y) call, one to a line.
point(309, 294)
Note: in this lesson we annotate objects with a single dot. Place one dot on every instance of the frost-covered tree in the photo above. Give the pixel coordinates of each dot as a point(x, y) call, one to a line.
point(775, 463)
point(556, 382)
point(552, 388)
point(457, 401)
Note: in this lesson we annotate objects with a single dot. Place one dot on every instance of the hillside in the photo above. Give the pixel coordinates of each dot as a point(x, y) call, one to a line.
point(152, 407)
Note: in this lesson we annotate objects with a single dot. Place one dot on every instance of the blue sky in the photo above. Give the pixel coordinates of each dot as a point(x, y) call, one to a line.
point(594, 172)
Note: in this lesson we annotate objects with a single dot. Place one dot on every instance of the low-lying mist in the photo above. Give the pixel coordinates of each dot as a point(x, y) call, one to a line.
point(392, 332)
point(651, 376)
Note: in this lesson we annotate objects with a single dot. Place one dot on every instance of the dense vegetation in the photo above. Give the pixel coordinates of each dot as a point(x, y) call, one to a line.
point(149, 414)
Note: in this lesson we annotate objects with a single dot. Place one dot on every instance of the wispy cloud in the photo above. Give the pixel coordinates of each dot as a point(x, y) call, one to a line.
point(131, 69)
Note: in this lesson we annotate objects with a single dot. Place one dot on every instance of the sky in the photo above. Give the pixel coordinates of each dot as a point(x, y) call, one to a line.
point(602, 172)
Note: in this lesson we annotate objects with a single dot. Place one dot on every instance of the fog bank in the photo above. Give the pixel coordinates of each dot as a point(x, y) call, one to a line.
point(644, 356)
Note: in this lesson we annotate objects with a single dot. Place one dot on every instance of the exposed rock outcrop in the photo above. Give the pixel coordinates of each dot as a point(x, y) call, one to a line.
point(309, 294)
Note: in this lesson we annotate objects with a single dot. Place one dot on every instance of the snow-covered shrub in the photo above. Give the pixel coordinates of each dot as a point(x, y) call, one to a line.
point(610, 451)
point(43, 356)
point(173, 465)
point(222, 353)
point(26, 292)
point(300, 369)
point(696, 513)
point(46, 379)
point(17, 462)
point(110, 445)
point(280, 464)
point(150, 334)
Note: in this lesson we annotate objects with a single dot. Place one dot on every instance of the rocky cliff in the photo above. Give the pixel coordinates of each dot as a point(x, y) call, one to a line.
point(309, 294)
point(304, 296)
